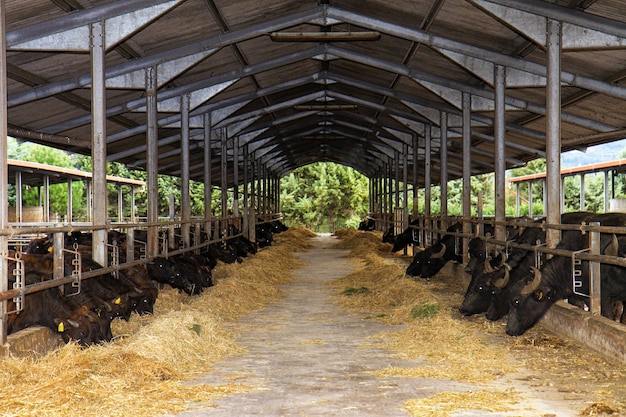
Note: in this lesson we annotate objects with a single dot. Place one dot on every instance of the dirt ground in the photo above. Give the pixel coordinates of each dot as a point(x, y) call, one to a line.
point(306, 357)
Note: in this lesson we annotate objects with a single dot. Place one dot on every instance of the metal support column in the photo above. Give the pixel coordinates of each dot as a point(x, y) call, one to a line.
point(98, 142)
point(427, 172)
point(185, 199)
point(467, 179)
point(607, 202)
point(120, 204)
point(70, 201)
point(152, 162)
point(208, 186)
point(443, 169)
point(236, 177)
point(245, 227)
point(553, 131)
point(224, 177)
point(499, 151)
point(416, 144)
point(4, 169)
point(582, 192)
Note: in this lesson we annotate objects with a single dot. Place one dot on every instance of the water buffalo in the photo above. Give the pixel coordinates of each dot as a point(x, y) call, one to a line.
point(533, 295)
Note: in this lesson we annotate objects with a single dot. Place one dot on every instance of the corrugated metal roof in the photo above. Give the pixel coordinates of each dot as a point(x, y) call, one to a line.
point(379, 94)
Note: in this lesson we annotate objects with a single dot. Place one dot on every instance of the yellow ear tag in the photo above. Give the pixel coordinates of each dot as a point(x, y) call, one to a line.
point(61, 327)
point(117, 301)
point(50, 249)
point(539, 295)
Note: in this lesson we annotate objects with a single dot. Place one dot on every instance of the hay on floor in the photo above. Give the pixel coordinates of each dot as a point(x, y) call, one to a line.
point(143, 371)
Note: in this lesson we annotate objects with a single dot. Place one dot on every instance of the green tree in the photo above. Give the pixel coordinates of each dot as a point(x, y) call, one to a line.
point(324, 196)
point(31, 196)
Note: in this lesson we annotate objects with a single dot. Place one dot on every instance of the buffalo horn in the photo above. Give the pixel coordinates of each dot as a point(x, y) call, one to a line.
point(501, 283)
point(488, 267)
point(534, 284)
point(74, 323)
point(612, 248)
point(440, 253)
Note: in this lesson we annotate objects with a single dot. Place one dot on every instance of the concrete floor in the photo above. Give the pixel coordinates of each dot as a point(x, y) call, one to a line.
point(308, 358)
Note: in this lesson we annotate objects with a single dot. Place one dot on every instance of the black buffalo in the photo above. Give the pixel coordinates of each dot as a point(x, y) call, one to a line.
point(428, 262)
point(533, 295)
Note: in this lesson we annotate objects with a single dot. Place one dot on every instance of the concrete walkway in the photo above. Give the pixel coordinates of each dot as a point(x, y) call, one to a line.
point(308, 358)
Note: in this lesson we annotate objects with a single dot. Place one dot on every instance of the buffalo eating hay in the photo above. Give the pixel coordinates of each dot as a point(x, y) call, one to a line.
point(473, 350)
point(143, 372)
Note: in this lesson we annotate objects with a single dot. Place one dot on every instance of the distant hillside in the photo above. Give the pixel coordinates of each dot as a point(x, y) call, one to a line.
point(594, 154)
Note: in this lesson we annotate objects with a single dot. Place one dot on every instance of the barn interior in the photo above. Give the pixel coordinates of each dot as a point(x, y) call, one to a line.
point(412, 94)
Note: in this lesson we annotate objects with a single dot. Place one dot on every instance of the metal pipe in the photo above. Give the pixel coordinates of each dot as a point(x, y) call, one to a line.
point(98, 138)
point(467, 178)
point(443, 170)
point(207, 174)
point(185, 200)
point(4, 185)
point(152, 160)
point(499, 151)
point(553, 130)
point(427, 172)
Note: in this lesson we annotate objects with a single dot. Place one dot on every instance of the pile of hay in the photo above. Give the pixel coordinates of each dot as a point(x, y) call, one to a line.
point(361, 243)
point(143, 371)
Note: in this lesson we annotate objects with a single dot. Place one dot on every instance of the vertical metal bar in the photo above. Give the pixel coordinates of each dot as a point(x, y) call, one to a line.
point(133, 204)
point(443, 179)
point(46, 198)
point(185, 200)
point(70, 200)
point(224, 178)
point(396, 182)
point(236, 176)
point(98, 140)
point(4, 185)
point(553, 131)
point(427, 172)
point(246, 182)
point(208, 187)
point(607, 202)
point(530, 198)
point(405, 189)
point(582, 192)
point(594, 272)
point(500, 153)
point(467, 179)
point(19, 198)
point(415, 150)
point(89, 193)
point(152, 161)
point(562, 196)
point(120, 204)
point(517, 199)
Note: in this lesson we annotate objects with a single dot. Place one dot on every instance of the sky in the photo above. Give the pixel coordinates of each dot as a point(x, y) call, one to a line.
point(600, 153)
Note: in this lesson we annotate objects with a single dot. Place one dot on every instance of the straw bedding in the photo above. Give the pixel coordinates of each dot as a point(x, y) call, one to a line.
point(143, 371)
point(468, 350)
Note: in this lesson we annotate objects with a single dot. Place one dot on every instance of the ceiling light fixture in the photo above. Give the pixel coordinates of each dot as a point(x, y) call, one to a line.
point(324, 36)
point(324, 107)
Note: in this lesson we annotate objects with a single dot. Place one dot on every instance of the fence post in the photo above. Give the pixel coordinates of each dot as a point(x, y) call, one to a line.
point(594, 272)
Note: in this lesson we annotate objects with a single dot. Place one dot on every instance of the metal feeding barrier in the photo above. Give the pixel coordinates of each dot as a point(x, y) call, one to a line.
point(76, 269)
point(19, 284)
point(577, 273)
